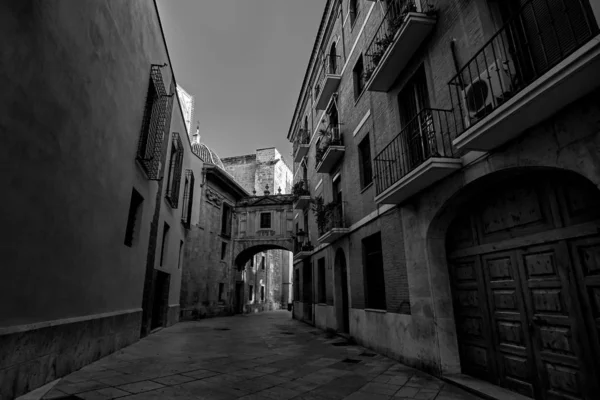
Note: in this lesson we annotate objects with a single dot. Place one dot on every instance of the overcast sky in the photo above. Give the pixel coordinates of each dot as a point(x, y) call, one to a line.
point(244, 61)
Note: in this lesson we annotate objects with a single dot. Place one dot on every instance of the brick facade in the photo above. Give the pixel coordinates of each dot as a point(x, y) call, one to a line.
point(417, 326)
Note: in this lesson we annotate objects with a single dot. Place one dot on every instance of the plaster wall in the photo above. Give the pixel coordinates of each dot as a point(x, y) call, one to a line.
point(76, 77)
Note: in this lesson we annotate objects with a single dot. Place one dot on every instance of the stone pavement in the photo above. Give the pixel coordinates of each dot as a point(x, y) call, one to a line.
point(260, 356)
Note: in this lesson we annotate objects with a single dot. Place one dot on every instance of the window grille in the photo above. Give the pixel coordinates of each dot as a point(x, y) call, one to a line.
point(174, 178)
point(154, 122)
point(188, 199)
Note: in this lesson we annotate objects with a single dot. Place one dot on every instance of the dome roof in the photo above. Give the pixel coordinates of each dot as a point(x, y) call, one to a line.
point(207, 155)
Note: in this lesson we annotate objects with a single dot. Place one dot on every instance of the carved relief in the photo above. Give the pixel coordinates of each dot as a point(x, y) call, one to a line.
point(214, 198)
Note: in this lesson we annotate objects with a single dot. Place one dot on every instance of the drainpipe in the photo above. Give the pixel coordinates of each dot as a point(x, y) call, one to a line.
point(455, 60)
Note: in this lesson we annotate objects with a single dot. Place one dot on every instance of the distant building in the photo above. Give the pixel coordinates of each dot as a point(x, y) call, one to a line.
point(187, 106)
point(207, 283)
point(268, 274)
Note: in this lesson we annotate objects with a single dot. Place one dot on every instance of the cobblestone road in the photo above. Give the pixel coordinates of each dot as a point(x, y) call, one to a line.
point(261, 356)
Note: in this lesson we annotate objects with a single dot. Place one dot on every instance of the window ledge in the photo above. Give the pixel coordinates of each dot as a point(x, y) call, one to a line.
point(321, 304)
point(370, 185)
point(376, 310)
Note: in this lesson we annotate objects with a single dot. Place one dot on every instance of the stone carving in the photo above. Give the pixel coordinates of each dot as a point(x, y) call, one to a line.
point(213, 198)
point(265, 233)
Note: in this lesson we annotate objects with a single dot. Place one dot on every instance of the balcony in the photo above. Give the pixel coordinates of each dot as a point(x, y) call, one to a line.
point(403, 29)
point(542, 59)
point(420, 155)
point(330, 150)
point(301, 194)
point(328, 81)
point(302, 250)
point(331, 222)
point(301, 145)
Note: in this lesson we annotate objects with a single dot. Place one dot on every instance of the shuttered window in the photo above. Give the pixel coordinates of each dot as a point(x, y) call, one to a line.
point(155, 122)
point(188, 198)
point(174, 173)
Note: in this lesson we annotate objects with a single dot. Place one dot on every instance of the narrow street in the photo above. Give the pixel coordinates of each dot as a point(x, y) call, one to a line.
point(260, 356)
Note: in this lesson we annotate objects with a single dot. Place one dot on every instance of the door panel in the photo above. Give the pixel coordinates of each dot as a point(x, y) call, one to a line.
point(528, 318)
point(509, 321)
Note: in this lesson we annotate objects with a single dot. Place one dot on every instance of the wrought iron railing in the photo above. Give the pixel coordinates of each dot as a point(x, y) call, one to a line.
point(394, 18)
point(331, 65)
point(303, 245)
point(427, 135)
point(331, 136)
point(535, 39)
point(333, 218)
point(188, 198)
point(302, 137)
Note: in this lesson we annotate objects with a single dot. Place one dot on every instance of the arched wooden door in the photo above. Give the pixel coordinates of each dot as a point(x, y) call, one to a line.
point(524, 259)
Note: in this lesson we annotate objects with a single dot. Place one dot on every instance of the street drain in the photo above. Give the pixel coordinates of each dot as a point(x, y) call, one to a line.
point(340, 344)
point(350, 361)
point(222, 329)
point(366, 355)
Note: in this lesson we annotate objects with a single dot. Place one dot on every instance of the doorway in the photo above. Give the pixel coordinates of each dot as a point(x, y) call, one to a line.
point(239, 297)
point(341, 293)
point(524, 261)
point(161, 299)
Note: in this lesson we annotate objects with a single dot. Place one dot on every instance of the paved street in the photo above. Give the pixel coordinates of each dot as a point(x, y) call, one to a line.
point(260, 356)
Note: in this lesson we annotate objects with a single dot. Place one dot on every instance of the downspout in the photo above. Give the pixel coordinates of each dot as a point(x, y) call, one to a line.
point(455, 60)
point(343, 36)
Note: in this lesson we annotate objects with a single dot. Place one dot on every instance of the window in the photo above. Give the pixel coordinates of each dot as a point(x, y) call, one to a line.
point(265, 220)
point(174, 175)
point(296, 285)
point(188, 198)
point(221, 291)
point(366, 169)
point(149, 153)
point(250, 292)
point(226, 220)
point(262, 294)
point(252, 262)
point(263, 262)
point(353, 11)
point(180, 253)
point(135, 212)
point(321, 287)
point(333, 61)
point(164, 244)
point(223, 250)
point(359, 77)
point(373, 272)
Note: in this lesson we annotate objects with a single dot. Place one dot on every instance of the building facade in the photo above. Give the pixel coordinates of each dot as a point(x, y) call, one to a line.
point(446, 157)
point(207, 284)
point(268, 274)
point(99, 192)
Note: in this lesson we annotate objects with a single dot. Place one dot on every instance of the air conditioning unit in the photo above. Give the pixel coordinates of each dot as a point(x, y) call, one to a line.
point(487, 91)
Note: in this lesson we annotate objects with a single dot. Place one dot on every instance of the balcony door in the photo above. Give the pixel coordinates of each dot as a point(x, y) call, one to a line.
point(415, 122)
point(541, 33)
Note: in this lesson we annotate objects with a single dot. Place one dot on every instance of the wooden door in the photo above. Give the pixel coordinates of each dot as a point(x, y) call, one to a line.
point(525, 268)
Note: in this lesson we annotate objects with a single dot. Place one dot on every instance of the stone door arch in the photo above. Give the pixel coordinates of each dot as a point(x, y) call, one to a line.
point(523, 254)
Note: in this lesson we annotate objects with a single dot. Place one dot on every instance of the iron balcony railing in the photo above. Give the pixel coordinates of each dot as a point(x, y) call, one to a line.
point(332, 65)
point(536, 38)
point(333, 218)
point(330, 136)
point(303, 245)
point(427, 135)
point(303, 137)
point(396, 13)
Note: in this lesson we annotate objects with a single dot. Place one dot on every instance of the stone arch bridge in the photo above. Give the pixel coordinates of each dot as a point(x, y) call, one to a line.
point(264, 223)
